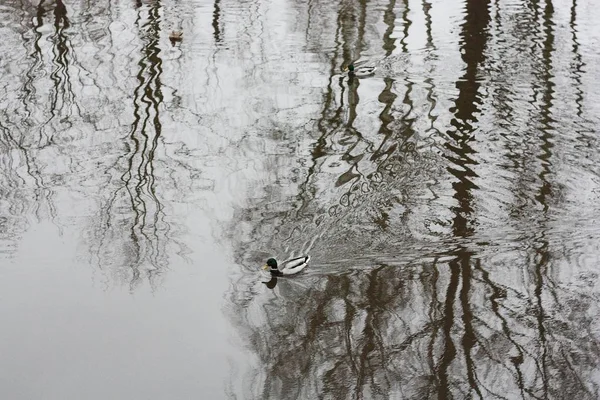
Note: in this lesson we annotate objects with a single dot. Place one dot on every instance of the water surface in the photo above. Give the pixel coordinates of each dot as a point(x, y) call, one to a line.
point(449, 202)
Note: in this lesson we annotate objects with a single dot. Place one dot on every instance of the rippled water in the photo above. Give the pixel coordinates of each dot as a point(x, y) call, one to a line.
point(449, 202)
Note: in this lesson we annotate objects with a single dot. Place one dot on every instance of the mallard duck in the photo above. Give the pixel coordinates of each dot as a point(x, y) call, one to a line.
point(176, 36)
point(288, 267)
point(359, 72)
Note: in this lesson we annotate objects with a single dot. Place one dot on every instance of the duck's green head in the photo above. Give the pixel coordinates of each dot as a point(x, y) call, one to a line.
point(271, 262)
point(351, 67)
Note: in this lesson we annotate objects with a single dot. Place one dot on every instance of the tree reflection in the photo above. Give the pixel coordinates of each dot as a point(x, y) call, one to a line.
point(133, 216)
point(27, 186)
point(386, 311)
point(61, 134)
point(63, 93)
point(461, 157)
point(438, 271)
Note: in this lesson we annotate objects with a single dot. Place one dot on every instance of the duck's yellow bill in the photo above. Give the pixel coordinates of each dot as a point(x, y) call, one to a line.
point(265, 266)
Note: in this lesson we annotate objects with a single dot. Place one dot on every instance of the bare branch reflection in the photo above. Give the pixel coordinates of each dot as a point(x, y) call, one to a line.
point(133, 215)
point(449, 202)
point(411, 294)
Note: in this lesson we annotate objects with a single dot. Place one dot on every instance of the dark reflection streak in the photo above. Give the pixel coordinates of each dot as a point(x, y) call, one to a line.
point(353, 98)
point(579, 64)
point(389, 17)
point(370, 332)
point(110, 45)
point(501, 93)
point(362, 26)
point(407, 100)
point(426, 11)
point(431, 97)
point(406, 26)
point(499, 293)
point(36, 55)
point(154, 98)
point(409, 85)
point(349, 317)
point(309, 12)
point(142, 146)
point(449, 352)
point(476, 21)
point(433, 316)
point(60, 75)
point(473, 42)
point(533, 6)
point(546, 188)
point(466, 107)
point(498, 18)
point(325, 121)
point(128, 176)
point(216, 22)
point(255, 17)
point(39, 17)
point(387, 96)
point(540, 269)
point(469, 339)
point(60, 16)
point(547, 98)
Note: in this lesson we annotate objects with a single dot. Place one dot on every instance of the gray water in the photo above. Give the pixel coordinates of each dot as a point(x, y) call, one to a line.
point(449, 202)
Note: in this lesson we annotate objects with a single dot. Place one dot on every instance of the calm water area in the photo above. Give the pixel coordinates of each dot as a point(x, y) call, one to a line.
point(449, 201)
